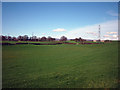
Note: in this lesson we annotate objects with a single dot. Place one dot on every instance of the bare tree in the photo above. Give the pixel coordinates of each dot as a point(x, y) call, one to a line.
point(20, 38)
point(25, 37)
point(9, 38)
point(14, 38)
point(49, 38)
point(63, 38)
point(4, 38)
point(43, 39)
point(76, 39)
point(82, 40)
point(34, 38)
point(53, 39)
point(39, 39)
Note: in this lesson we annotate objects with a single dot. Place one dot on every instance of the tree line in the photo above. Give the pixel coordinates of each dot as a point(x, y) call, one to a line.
point(33, 38)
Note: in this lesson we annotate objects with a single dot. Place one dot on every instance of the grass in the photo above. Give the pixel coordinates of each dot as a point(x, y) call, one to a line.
point(84, 42)
point(13, 42)
point(60, 66)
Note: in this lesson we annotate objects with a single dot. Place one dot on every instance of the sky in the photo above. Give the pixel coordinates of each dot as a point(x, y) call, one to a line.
point(56, 19)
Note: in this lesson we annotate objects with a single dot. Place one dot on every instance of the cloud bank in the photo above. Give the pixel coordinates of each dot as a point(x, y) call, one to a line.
point(111, 32)
point(91, 31)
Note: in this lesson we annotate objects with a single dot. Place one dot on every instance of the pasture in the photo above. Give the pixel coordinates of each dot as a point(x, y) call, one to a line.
point(60, 66)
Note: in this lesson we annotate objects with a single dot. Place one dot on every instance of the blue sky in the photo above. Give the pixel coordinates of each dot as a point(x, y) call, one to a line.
point(71, 19)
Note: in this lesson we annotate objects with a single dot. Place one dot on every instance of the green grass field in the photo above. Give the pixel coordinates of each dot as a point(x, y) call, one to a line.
point(60, 66)
point(13, 42)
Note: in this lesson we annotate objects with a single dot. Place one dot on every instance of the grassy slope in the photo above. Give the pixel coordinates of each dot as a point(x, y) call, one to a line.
point(60, 66)
point(84, 42)
point(29, 42)
point(43, 42)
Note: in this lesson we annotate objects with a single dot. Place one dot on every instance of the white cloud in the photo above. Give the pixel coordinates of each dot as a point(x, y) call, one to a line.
point(106, 36)
point(59, 30)
point(112, 13)
point(91, 31)
point(115, 36)
point(111, 37)
point(111, 32)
